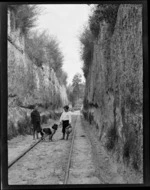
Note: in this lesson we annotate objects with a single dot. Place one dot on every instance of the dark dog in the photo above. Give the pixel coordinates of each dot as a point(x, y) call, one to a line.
point(68, 130)
point(49, 131)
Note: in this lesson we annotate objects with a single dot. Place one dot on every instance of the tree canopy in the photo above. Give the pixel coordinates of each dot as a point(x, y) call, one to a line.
point(43, 48)
point(24, 17)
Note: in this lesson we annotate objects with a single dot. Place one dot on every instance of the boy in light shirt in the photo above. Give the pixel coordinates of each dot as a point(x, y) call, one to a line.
point(65, 120)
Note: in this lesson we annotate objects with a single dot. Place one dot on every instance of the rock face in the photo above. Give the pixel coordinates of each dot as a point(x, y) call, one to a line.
point(31, 84)
point(27, 83)
point(114, 85)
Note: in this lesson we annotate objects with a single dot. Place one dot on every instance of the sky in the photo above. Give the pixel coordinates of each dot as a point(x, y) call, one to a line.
point(66, 22)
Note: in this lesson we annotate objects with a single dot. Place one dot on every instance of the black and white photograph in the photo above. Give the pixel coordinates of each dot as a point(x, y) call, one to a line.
point(75, 94)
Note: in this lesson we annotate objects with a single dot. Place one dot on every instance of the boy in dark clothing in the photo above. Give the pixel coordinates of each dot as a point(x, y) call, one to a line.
point(36, 122)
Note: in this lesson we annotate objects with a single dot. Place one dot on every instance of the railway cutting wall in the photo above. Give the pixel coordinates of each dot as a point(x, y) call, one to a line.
point(113, 101)
point(28, 84)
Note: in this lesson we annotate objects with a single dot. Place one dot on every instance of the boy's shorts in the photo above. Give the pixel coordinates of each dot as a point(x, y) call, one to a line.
point(64, 125)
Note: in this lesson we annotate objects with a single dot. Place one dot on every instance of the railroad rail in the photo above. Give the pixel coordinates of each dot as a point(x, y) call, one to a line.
point(22, 154)
point(70, 154)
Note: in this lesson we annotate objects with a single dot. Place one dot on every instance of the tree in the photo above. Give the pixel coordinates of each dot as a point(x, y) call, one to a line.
point(107, 12)
point(75, 83)
point(35, 48)
point(70, 94)
point(87, 44)
point(81, 88)
point(25, 17)
point(43, 48)
point(76, 79)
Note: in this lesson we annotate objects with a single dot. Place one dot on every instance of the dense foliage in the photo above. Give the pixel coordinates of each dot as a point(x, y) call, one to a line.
point(44, 49)
point(23, 17)
point(103, 12)
point(76, 90)
point(87, 44)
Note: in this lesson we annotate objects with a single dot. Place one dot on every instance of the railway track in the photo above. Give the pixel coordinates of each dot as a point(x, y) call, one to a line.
point(80, 160)
point(70, 154)
point(38, 142)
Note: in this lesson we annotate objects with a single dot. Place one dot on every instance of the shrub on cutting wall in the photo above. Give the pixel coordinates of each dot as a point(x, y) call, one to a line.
point(106, 12)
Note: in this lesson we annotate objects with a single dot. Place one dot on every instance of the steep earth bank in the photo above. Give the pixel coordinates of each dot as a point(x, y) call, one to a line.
point(113, 93)
point(29, 84)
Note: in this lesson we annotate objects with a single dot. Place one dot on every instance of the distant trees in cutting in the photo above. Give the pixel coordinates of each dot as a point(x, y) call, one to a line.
point(76, 85)
point(76, 90)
